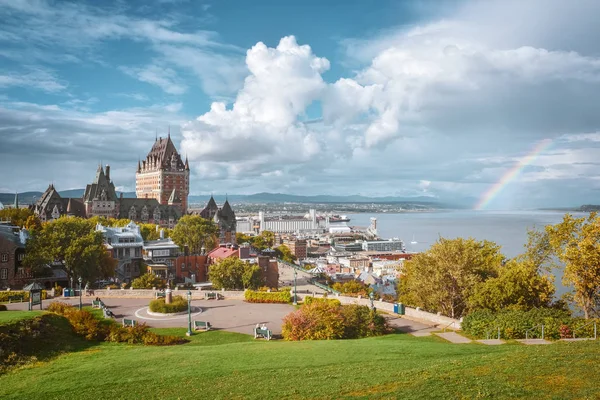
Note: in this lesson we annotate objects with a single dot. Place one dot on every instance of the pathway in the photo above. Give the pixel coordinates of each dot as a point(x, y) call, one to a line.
point(453, 337)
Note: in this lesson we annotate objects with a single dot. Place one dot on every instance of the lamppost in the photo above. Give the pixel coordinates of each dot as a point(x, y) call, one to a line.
point(189, 298)
point(295, 300)
point(80, 305)
point(371, 298)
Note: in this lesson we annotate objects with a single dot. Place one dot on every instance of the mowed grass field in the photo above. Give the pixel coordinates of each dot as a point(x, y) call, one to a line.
point(225, 365)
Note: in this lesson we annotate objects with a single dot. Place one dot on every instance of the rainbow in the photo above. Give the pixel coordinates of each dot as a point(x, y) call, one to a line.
point(508, 177)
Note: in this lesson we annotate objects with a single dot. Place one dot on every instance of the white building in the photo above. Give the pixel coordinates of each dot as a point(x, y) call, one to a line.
point(383, 245)
point(125, 244)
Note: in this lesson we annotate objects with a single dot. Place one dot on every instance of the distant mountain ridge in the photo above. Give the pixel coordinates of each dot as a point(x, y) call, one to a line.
point(264, 197)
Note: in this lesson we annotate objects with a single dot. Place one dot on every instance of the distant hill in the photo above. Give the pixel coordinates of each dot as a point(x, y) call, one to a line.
point(31, 197)
point(588, 208)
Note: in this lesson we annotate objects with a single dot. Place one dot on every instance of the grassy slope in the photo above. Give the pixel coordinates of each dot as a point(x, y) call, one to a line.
point(224, 365)
point(8, 317)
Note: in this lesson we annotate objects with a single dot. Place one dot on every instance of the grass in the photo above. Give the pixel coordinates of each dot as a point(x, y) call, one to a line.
point(224, 365)
point(9, 317)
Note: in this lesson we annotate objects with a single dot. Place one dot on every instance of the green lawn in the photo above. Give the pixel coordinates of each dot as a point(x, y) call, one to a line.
point(8, 317)
point(223, 365)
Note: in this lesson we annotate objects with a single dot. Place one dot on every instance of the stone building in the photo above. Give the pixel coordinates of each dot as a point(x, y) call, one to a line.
point(51, 205)
point(224, 217)
point(163, 175)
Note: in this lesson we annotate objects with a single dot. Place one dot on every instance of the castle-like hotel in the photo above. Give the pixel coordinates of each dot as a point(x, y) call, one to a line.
point(162, 188)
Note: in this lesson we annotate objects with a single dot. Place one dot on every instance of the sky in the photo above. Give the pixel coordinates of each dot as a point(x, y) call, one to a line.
point(389, 98)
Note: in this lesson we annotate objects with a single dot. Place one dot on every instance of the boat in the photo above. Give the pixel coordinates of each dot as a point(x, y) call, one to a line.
point(413, 241)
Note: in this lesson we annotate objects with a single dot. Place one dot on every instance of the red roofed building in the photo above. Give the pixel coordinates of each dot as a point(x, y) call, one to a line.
point(222, 252)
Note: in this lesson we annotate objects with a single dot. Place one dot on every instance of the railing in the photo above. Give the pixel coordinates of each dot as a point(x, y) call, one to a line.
point(488, 334)
point(532, 328)
point(589, 323)
point(446, 327)
point(324, 287)
point(299, 268)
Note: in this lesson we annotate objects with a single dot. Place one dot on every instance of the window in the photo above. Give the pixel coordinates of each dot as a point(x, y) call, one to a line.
point(21, 257)
point(4, 257)
point(4, 273)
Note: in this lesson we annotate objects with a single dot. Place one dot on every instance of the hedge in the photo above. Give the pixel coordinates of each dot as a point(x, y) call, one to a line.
point(514, 323)
point(4, 295)
point(3, 307)
point(252, 296)
point(178, 304)
point(310, 300)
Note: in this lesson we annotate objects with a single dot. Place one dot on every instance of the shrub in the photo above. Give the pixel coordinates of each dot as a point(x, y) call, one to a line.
point(514, 323)
point(311, 300)
point(3, 307)
point(178, 304)
point(267, 297)
point(327, 319)
point(57, 290)
point(4, 295)
point(85, 324)
point(352, 288)
point(148, 281)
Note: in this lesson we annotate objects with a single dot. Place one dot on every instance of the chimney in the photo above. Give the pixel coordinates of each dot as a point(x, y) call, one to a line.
point(162, 233)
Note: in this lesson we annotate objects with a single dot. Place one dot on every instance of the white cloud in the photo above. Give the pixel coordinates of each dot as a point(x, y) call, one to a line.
point(36, 78)
point(163, 77)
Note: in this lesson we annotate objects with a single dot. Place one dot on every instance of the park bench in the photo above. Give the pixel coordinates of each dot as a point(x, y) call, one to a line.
point(213, 296)
point(17, 299)
point(202, 325)
point(129, 322)
point(263, 332)
point(107, 313)
point(160, 294)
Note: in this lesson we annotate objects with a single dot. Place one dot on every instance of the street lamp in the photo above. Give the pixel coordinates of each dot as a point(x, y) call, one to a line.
point(371, 297)
point(189, 298)
point(80, 305)
point(295, 300)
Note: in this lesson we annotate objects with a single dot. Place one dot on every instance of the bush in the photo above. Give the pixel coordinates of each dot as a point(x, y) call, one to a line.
point(327, 319)
point(3, 307)
point(85, 324)
point(310, 300)
point(148, 281)
point(267, 297)
point(178, 304)
point(4, 295)
point(514, 323)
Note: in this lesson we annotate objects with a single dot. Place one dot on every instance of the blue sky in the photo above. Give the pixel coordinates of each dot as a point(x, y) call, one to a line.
point(405, 98)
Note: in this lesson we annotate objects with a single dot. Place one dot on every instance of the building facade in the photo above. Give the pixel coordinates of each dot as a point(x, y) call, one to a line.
point(224, 217)
point(163, 175)
point(12, 252)
point(383, 245)
point(125, 245)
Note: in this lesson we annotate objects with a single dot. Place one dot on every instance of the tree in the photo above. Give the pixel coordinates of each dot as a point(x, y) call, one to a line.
point(149, 232)
point(285, 253)
point(265, 240)
point(444, 277)
point(522, 283)
point(74, 242)
point(576, 243)
point(148, 281)
point(33, 223)
point(234, 274)
point(353, 287)
point(196, 233)
point(243, 238)
point(17, 216)
point(518, 286)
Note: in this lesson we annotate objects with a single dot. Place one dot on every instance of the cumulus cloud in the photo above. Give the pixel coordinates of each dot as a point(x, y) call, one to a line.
point(163, 77)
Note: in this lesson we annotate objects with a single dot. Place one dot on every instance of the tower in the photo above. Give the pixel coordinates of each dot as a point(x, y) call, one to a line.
point(163, 175)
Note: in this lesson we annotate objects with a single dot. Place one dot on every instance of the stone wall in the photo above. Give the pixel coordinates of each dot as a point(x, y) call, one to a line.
point(151, 294)
point(411, 313)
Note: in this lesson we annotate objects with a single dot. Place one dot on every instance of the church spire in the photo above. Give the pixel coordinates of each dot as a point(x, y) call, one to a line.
point(16, 204)
point(139, 166)
point(187, 164)
point(169, 133)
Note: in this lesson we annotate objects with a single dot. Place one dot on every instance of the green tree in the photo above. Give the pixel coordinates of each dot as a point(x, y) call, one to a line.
point(17, 216)
point(443, 278)
point(285, 253)
point(149, 232)
point(353, 287)
point(243, 238)
point(148, 281)
point(33, 223)
point(195, 232)
point(575, 241)
point(265, 240)
point(74, 242)
point(234, 274)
